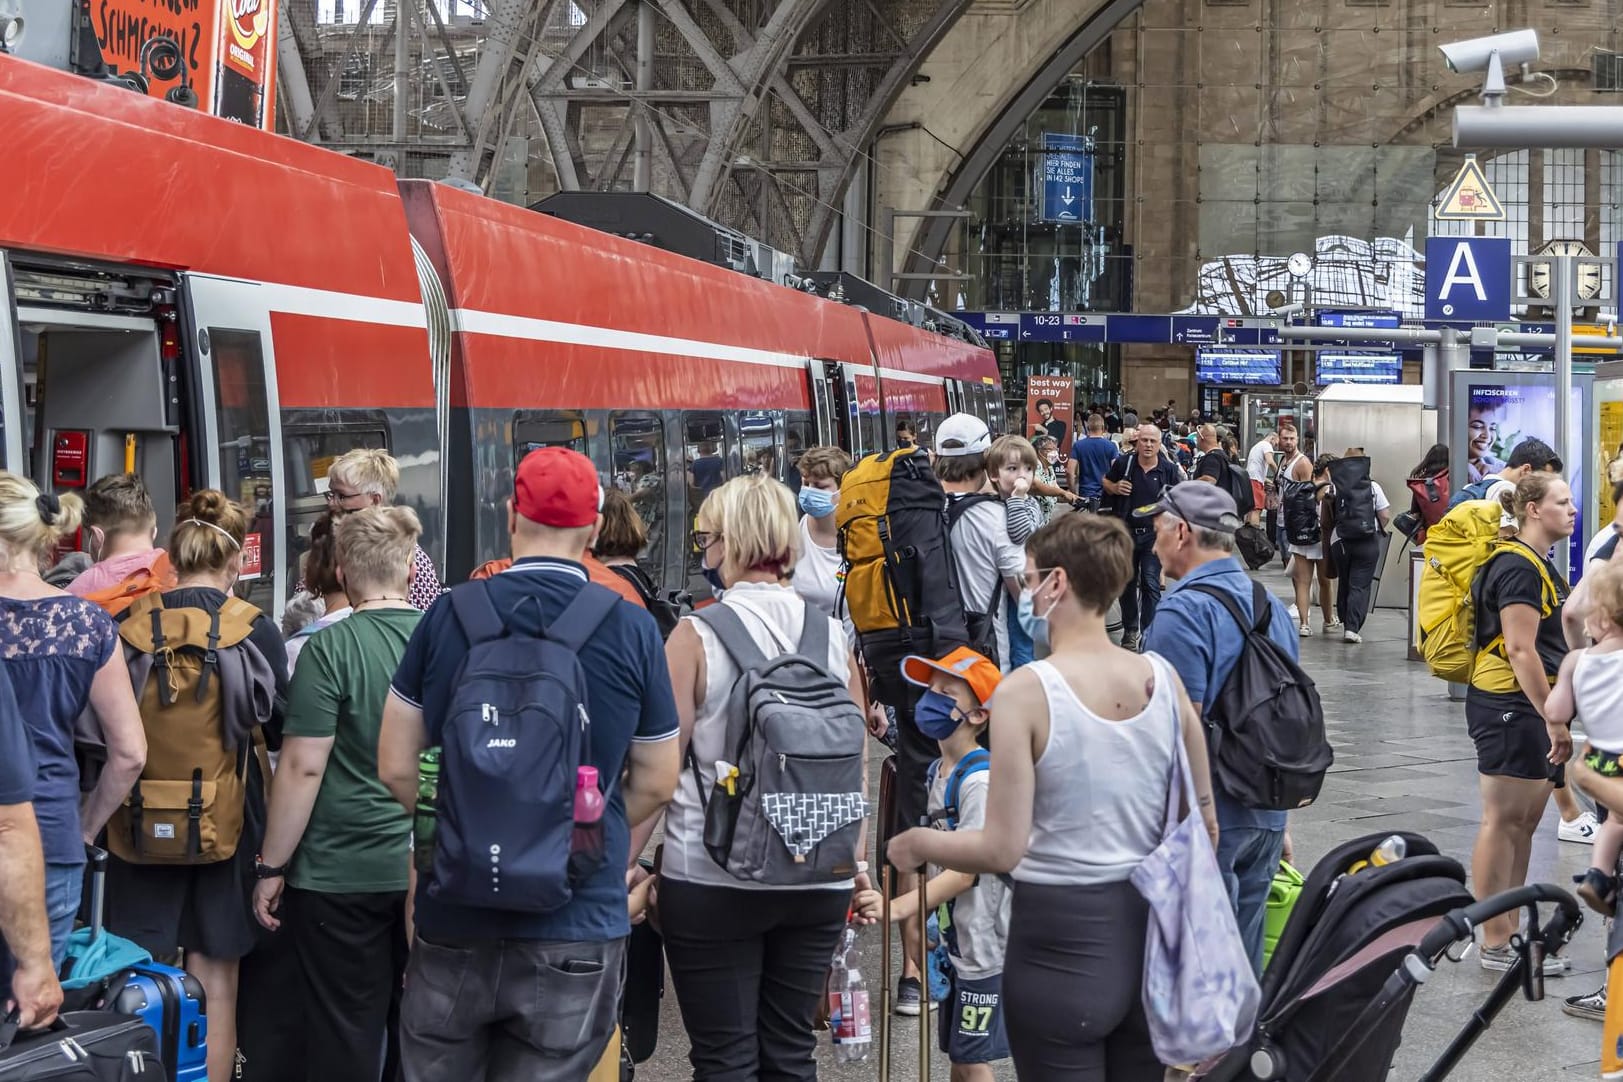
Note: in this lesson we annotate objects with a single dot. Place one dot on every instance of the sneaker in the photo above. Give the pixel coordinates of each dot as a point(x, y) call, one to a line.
point(1502, 958)
point(1305, 631)
point(908, 996)
point(1592, 1006)
point(1581, 830)
point(1350, 636)
point(1598, 891)
point(1129, 642)
point(1333, 625)
point(1295, 615)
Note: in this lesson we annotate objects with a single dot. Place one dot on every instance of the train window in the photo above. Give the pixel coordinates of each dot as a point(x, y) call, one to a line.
point(872, 438)
point(705, 463)
point(245, 452)
point(309, 453)
point(534, 429)
point(800, 432)
point(638, 442)
point(758, 441)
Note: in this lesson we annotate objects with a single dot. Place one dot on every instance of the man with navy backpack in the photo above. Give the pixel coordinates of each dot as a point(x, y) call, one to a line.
point(551, 706)
point(1195, 631)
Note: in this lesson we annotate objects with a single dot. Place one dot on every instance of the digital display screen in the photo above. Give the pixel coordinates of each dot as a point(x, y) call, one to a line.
point(1360, 368)
point(1249, 367)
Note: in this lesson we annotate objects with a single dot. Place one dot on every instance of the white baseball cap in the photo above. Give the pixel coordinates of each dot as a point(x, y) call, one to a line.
point(967, 430)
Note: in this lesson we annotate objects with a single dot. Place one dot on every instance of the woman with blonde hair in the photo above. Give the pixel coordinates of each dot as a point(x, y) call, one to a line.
point(203, 908)
point(370, 477)
point(1520, 747)
point(748, 961)
point(62, 655)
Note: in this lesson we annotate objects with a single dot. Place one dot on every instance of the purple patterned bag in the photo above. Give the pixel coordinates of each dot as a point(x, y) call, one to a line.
point(1200, 993)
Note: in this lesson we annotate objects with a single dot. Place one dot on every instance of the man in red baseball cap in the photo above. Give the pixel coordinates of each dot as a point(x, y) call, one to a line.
point(509, 953)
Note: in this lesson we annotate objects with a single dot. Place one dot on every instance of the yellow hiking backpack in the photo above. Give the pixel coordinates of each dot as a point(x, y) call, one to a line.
point(901, 584)
point(1457, 548)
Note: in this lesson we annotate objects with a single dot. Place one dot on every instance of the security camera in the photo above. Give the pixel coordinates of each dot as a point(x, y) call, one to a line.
point(1516, 47)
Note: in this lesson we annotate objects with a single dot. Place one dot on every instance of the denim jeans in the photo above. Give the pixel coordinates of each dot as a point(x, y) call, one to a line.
point(1248, 857)
point(1143, 592)
point(64, 885)
point(508, 1010)
point(1020, 645)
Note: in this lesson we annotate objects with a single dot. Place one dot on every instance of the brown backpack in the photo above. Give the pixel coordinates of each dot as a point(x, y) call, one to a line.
point(188, 806)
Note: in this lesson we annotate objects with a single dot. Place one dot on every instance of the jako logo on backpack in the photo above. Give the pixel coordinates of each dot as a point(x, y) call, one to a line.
point(792, 814)
point(901, 586)
point(204, 691)
point(1269, 748)
point(515, 735)
point(1457, 548)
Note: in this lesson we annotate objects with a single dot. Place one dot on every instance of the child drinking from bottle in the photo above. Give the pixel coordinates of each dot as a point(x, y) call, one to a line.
point(975, 909)
point(1590, 687)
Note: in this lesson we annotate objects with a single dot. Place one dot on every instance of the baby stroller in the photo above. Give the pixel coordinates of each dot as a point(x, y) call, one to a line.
point(1338, 988)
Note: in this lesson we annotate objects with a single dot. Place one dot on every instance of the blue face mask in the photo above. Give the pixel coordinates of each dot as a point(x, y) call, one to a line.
point(817, 502)
point(1036, 627)
point(937, 715)
point(713, 577)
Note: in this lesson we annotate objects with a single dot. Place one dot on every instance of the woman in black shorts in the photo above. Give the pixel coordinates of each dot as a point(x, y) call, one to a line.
point(1519, 650)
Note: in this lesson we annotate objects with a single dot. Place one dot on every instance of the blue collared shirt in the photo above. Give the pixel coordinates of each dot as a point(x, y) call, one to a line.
point(628, 696)
point(1196, 634)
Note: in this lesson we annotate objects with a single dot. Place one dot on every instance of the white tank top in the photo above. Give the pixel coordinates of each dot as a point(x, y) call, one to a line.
point(775, 616)
point(1597, 688)
point(1101, 786)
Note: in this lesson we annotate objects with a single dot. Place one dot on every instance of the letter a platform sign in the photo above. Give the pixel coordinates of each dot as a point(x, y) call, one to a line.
point(1468, 278)
point(1469, 198)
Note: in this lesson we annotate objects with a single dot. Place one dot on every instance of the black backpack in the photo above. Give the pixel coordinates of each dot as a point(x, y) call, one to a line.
point(1236, 482)
point(666, 611)
point(1299, 505)
point(1355, 497)
point(1266, 724)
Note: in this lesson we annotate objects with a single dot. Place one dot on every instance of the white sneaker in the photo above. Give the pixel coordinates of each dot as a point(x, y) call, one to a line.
point(1294, 614)
point(1333, 626)
point(1350, 636)
point(1581, 830)
point(1305, 631)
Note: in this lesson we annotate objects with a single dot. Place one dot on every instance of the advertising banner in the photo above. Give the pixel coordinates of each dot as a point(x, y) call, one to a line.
point(1050, 407)
point(1500, 416)
point(1608, 448)
point(228, 48)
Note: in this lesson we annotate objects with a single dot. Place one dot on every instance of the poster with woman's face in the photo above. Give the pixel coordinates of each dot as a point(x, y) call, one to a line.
point(1501, 417)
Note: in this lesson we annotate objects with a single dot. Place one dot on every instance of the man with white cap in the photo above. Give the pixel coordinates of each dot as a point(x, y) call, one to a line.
point(985, 555)
point(1194, 538)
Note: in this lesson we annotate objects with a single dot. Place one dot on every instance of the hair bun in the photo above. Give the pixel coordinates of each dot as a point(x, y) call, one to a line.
point(49, 507)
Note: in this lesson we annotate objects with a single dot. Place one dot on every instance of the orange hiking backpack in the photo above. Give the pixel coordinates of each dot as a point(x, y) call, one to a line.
point(117, 598)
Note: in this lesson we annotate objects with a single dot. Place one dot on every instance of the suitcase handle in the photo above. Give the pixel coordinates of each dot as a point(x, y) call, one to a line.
point(13, 1022)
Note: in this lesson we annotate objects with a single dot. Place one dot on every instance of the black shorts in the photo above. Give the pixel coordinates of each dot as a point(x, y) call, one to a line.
point(1510, 742)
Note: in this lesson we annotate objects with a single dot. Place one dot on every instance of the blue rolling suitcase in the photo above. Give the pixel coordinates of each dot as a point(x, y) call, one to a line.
point(170, 1002)
point(167, 1000)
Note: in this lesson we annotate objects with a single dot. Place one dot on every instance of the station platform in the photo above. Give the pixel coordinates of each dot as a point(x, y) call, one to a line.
point(1403, 761)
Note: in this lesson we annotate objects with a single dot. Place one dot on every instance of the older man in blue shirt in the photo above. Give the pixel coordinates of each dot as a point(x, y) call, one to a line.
point(1194, 538)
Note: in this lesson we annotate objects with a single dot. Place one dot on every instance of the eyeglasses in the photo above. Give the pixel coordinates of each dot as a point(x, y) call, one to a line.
point(338, 496)
point(703, 539)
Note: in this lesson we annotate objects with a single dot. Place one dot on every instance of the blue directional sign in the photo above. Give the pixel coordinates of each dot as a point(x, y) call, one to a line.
point(1067, 178)
point(1467, 278)
point(1194, 330)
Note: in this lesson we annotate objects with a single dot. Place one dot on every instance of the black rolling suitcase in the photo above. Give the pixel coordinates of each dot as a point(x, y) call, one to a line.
point(81, 1046)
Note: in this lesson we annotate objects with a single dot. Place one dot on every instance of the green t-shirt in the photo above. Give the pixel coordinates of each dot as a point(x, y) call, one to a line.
point(358, 838)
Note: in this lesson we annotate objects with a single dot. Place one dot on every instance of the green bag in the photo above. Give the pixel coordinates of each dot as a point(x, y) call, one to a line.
point(1282, 895)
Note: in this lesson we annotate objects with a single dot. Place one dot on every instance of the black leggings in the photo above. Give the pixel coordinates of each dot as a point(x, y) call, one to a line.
point(1073, 984)
point(1357, 560)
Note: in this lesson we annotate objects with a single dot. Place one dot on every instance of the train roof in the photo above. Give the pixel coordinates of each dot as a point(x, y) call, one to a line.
point(97, 172)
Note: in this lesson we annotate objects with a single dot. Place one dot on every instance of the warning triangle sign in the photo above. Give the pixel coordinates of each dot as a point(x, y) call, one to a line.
point(1469, 198)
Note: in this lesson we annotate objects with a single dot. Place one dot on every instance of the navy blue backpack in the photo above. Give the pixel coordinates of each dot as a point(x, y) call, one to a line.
point(516, 732)
point(976, 761)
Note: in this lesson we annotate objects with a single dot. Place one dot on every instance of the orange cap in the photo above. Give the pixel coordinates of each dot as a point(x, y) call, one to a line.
point(974, 669)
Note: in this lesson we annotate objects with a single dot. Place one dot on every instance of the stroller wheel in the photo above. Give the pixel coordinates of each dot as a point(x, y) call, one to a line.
point(1266, 1064)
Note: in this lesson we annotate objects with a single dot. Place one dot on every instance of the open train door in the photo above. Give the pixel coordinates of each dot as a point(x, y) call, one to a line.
point(11, 381)
point(239, 410)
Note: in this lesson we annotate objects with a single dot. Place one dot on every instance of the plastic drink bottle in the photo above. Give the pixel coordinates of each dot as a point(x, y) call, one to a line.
point(1393, 849)
point(848, 1017)
point(422, 820)
point(586, 843)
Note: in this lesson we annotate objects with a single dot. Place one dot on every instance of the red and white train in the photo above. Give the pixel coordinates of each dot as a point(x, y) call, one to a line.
point(208, 304)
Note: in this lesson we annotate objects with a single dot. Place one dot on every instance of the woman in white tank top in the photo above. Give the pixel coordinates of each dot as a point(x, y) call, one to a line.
point(748, 961)
point(1081, 756)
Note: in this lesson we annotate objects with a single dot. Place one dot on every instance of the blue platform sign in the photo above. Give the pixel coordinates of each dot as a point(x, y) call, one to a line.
point(1067, 178)
point(1467, 278)
point(1365, 319)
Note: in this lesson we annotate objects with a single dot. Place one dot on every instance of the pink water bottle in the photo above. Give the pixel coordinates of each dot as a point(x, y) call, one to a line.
point(586, 843)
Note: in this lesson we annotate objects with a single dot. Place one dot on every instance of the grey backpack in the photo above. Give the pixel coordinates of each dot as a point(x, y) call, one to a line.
point(792, 814)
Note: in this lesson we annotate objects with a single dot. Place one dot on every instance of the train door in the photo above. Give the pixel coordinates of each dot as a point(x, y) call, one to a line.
point(241, 438)
point(91, 380)
point(955, 396)
point(836, 408)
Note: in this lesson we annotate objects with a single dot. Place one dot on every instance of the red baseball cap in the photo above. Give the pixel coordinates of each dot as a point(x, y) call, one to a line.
point(557, 487)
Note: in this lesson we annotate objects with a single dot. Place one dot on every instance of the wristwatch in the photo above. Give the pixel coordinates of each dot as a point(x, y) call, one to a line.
point(268, 871)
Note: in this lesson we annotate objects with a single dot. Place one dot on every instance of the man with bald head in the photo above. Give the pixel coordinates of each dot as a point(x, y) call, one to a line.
point(1137, 480)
